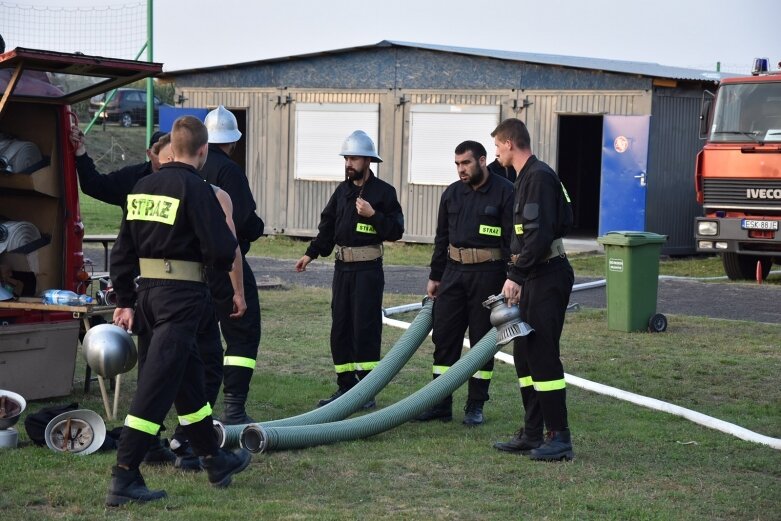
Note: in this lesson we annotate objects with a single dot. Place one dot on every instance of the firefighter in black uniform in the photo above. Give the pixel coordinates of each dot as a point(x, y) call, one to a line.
point(540, 281)
point(508, 172)
point(361, 214)
point(242, 335)
point(172, 227)
point(113, 188)
point(471, 251)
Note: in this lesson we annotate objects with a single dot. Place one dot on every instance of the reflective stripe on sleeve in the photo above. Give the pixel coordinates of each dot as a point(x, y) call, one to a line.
point(239, 361)
point(200, 414)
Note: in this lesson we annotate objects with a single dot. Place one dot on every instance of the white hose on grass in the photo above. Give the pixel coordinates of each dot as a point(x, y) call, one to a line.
point(644, 401)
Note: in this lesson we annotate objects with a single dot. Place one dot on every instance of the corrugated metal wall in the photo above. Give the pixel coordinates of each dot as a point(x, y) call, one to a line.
point(671, 204)
point(293, 207)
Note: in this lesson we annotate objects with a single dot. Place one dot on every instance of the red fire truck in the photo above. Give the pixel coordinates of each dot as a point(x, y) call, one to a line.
point(38, 342)
point(738, 173)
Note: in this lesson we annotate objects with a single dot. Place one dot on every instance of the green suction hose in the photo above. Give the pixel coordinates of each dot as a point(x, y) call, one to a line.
point(365, 390)
point(258, 438)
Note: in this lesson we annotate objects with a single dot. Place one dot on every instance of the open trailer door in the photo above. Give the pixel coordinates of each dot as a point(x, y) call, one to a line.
point(38, 343)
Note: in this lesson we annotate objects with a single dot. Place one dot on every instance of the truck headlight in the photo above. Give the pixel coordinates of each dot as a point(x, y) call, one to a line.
point(707, 228)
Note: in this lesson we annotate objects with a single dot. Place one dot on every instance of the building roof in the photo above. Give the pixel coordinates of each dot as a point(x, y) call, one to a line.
point(654, 70)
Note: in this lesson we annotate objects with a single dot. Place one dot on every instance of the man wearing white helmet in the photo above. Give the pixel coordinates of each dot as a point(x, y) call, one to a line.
point(361, 214)
point(242, 335)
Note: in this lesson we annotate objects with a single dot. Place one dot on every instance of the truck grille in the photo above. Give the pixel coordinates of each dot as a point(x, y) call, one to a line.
point(742, 193)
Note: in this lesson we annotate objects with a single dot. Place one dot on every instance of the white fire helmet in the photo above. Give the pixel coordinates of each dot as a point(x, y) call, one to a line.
point(222, 126)
point(360, 144)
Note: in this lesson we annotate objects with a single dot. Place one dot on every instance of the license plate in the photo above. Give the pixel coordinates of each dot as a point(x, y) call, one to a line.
point(752, 224)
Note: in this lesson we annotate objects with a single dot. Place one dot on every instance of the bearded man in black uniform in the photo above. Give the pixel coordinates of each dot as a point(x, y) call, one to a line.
point(362, 213)
point(471, 250)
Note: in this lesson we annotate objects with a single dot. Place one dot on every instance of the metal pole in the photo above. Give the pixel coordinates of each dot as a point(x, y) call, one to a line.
point(150, 90)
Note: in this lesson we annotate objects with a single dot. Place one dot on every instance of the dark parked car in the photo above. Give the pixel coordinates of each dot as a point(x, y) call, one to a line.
point(127, 107)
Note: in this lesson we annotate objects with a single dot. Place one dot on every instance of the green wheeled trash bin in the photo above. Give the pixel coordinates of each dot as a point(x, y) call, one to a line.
point(632, 275)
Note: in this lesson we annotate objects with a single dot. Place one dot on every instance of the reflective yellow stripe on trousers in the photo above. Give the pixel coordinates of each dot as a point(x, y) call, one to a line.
point(142, 425)
point(525, 381)
point(550, 385)
point(200, 414)
point(483, 375)
point(239, 361)
point(365, 366)
point(343, 368)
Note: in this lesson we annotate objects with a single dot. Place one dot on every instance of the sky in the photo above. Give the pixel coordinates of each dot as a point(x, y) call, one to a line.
point(685, 33)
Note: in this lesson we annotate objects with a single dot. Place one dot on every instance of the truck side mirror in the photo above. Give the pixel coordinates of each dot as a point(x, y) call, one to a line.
point(705, 113)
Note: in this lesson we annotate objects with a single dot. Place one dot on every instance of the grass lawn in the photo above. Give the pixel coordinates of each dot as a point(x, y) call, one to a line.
point(631, 463)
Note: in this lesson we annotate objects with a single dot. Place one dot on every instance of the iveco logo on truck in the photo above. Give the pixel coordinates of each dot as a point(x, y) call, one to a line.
point(763, 193)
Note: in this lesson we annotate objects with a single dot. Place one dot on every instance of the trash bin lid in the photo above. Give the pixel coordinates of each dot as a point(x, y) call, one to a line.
point(631, 238)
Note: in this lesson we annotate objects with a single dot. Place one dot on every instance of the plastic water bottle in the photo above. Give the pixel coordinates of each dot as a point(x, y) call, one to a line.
point(65, 298)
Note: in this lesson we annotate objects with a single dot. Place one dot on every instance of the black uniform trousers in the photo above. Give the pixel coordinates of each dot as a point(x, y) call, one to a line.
point(170, 319)
point(458, 306)
point(543, 303)
point(242, 335)
point(356, 319)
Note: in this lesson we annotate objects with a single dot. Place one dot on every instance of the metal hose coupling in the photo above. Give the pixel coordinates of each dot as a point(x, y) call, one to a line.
point(506, 320)
point(254, 438)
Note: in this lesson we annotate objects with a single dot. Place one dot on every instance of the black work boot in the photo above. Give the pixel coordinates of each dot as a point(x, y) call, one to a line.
point(128, 485)
point(557, 447)
point(520, 443)
point(186, 460)
point(234, 413)
point(224, 465)
point(159, 453)
point(473, 413)
point(442, 411)
point(325, 401)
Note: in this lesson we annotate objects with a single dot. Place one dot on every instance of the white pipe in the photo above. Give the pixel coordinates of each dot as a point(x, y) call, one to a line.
point(644, 401)
point(589, 285)
point(402, 309)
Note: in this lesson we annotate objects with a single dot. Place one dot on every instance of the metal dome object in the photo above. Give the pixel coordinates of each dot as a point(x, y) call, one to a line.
point(109, 350)
point(11, 407)
point(360, 144)
point(5, 294)
point(79, 432)
point(506, 320)
point(222, 126)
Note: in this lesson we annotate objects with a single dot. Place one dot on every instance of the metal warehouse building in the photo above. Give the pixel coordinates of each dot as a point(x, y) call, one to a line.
point(623, 136)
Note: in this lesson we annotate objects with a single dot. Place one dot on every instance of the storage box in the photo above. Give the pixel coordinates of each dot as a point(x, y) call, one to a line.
point(38, 360)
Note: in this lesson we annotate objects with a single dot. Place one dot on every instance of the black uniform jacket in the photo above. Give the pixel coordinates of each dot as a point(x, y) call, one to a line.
point(111, 188)
point(221, 171)
point(172, 214)
point(340, 223)
point(470, 218)
point(542, 212)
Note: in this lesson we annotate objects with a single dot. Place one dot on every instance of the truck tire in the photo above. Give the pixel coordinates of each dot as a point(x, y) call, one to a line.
point(744, 267)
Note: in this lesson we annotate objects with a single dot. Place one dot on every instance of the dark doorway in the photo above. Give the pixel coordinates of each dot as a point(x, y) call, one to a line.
point(579, 168)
